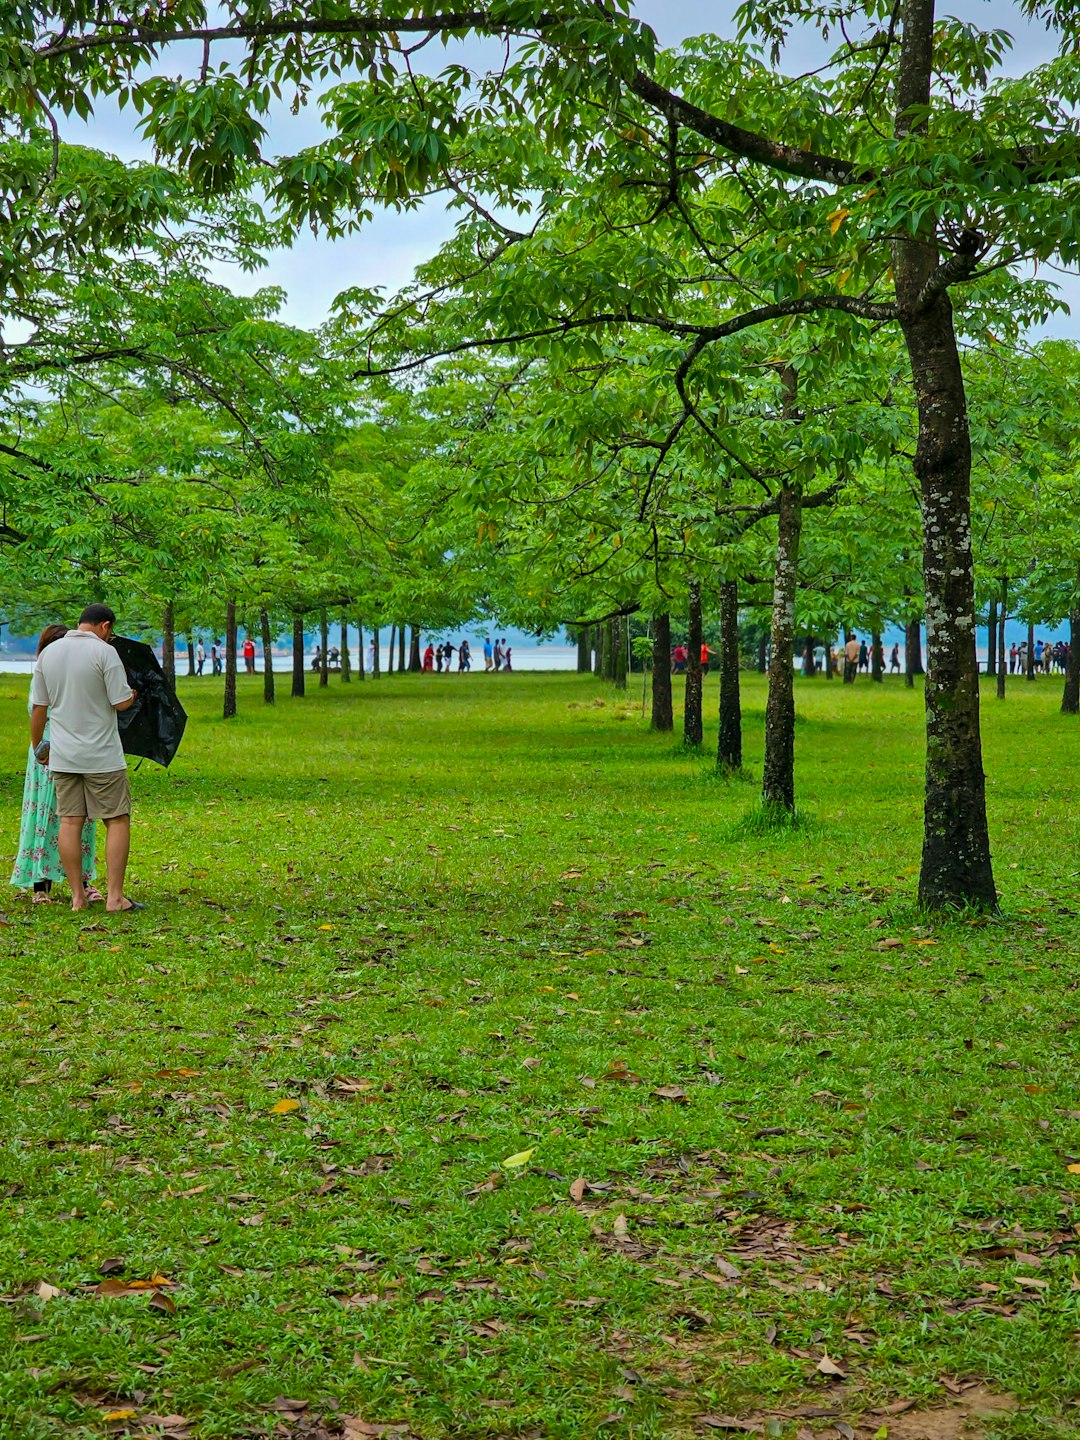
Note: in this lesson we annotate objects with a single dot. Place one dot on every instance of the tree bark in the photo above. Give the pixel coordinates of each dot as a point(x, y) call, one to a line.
point(692, 725)
point(268, 658)
point(762, 656)
point(361, 668)
point(729, 746)
point(598, 653)
point(913, 662)
point(991, 637)
point(619, 655)
point(830, 668)
point(662, 714)
point(376, 657)
point(778, 776)
point(809, 664)
point(390, 651)
point(298, 677)
point(609, 650)
point(1029, 659)
point(190, 655)
point(168, 643)
point(584, 655)
point(346, 663)
point(877, 658)
point(229, 707)
point(1000, 639)
point(415, 663)
point(956, 868)
point(324, 645)
point(401, 649)
point(1070, 698)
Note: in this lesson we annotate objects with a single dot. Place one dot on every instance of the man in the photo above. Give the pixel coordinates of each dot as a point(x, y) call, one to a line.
point(488, 654)
point(80, 683)
point(851, 659)
point(249, 655)
point(200, 657)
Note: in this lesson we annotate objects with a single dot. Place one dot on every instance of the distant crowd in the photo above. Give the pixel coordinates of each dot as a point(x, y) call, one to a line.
point(439, 659)
point(1047, 657)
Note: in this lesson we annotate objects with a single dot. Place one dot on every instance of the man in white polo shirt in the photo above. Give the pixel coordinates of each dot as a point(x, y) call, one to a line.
point(80, 684)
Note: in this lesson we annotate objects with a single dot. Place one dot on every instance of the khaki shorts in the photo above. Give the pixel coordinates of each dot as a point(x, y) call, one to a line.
point(97, 797)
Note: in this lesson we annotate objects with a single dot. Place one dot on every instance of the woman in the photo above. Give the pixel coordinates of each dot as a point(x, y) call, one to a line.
point(37, 863)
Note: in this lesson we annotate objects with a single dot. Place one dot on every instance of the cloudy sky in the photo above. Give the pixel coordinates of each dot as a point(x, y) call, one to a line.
point(384, 254)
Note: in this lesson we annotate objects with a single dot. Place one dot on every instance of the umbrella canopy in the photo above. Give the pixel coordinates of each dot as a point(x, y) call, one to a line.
point(154, 726)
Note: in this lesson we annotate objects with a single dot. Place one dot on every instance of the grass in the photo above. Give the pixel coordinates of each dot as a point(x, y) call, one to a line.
point(455, 921)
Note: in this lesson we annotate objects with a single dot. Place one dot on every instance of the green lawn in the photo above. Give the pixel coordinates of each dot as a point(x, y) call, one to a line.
point(780, 1125)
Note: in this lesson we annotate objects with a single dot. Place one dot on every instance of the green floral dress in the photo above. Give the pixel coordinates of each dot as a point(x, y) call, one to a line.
point(39, 833)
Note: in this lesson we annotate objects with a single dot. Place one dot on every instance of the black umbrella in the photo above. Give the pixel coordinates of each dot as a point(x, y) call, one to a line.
point(154, 725)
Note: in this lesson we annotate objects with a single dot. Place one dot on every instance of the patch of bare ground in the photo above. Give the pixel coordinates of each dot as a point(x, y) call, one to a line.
point(965, 1414)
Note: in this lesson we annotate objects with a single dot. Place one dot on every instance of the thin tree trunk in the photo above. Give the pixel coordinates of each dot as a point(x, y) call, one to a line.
point(662, 718)
point(390, 650)
point(1000, 638)
point(415, 663)
point(298, 677)
point(729, 746)
point(830, 668)
point(619, 656)
point(268, 658)
point(1070, 698)
point(598, 654)
point(913, 661)
point(346, 662)
point(877, 658)
point(229, 707)
point(401, 649)
point(692, 726)
point(991, 638)
point(324, 644)
point(376, 655)
point(168, 643)
point(609, 651)
point(584, 655)
point(361, 669)
point(762, 654)
point(1029, 659)
point(778, 776)
point(190, 656)
point(956, 868)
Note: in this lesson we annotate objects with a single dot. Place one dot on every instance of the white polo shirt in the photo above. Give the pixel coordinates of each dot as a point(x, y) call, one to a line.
point(81, 680)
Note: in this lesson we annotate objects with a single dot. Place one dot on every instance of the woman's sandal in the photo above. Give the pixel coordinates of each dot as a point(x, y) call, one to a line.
point(93, 894)
point(41, 897)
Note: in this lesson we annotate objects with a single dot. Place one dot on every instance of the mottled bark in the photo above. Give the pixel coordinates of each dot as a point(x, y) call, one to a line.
point(168, 643)
point(584, 651)
point(298, 677)
point(324, 645)
point(268, 659)
point(991, 638)
point(877, 658)
point(692, 726)
point(229, 704)
point(778, 776)
point(729, 745)
point(662, 711)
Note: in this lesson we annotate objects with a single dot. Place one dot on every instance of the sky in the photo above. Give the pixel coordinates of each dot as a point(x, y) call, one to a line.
point(314, 270)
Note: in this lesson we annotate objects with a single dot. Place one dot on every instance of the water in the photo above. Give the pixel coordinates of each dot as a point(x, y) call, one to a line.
point(525, 657)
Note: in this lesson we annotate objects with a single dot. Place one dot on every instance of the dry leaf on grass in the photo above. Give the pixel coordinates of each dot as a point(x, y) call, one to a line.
point(577, 1189)
point(827, 1366)
point(670, 1092)
point(284, 1107)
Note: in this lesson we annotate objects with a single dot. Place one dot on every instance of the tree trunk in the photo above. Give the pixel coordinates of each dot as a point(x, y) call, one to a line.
point(662, 717)
point(619, 656)
point(956, 867)
point(729, 747)
point(1000, 638)
point(268, 658)
point(390, 650)
point(376, 656)
point(298, 678)
point(762, 654)
point(190, 656)
point(913, 662)
point(415, 663)
point(229, 708)
point(830, 668)
point(1070, 698)
point(778, 777)
point(346, 662)
point(692, 727)
point(584, 655)
point(991, 638)
point(401, 649)
point(361, 669)
point(809, 664)
point(324, 644)
point(168, 644)
point(1029, 661)
point(877, 658)
point(598, 653)
point(609, 650)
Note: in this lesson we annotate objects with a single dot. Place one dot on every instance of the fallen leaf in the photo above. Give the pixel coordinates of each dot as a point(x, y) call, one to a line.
point(343, 1084)
point(826, 1366)
point(577, 1189)
point(110, 1266)
point(284, 1107)
point(892, 943)
point(160, 1301)
point(1073, 1169)
point(514, 1162)
point(120, 1415)
point(620, 1226)
point(44, 1291)
point(670, 1092)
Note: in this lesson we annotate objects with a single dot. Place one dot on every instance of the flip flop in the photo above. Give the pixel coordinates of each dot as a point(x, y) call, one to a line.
point(127, 909)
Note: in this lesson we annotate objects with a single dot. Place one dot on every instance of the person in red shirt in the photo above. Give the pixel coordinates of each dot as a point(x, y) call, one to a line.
point(705, 653)
point(249, 655)
point(680, 658)
point(429, 659)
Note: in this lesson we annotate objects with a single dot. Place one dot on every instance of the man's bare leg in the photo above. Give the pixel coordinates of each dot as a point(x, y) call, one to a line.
point(117, 845)
point(71, 857)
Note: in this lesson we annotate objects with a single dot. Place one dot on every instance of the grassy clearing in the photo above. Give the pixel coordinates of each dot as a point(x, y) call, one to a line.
point(774, 1115)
